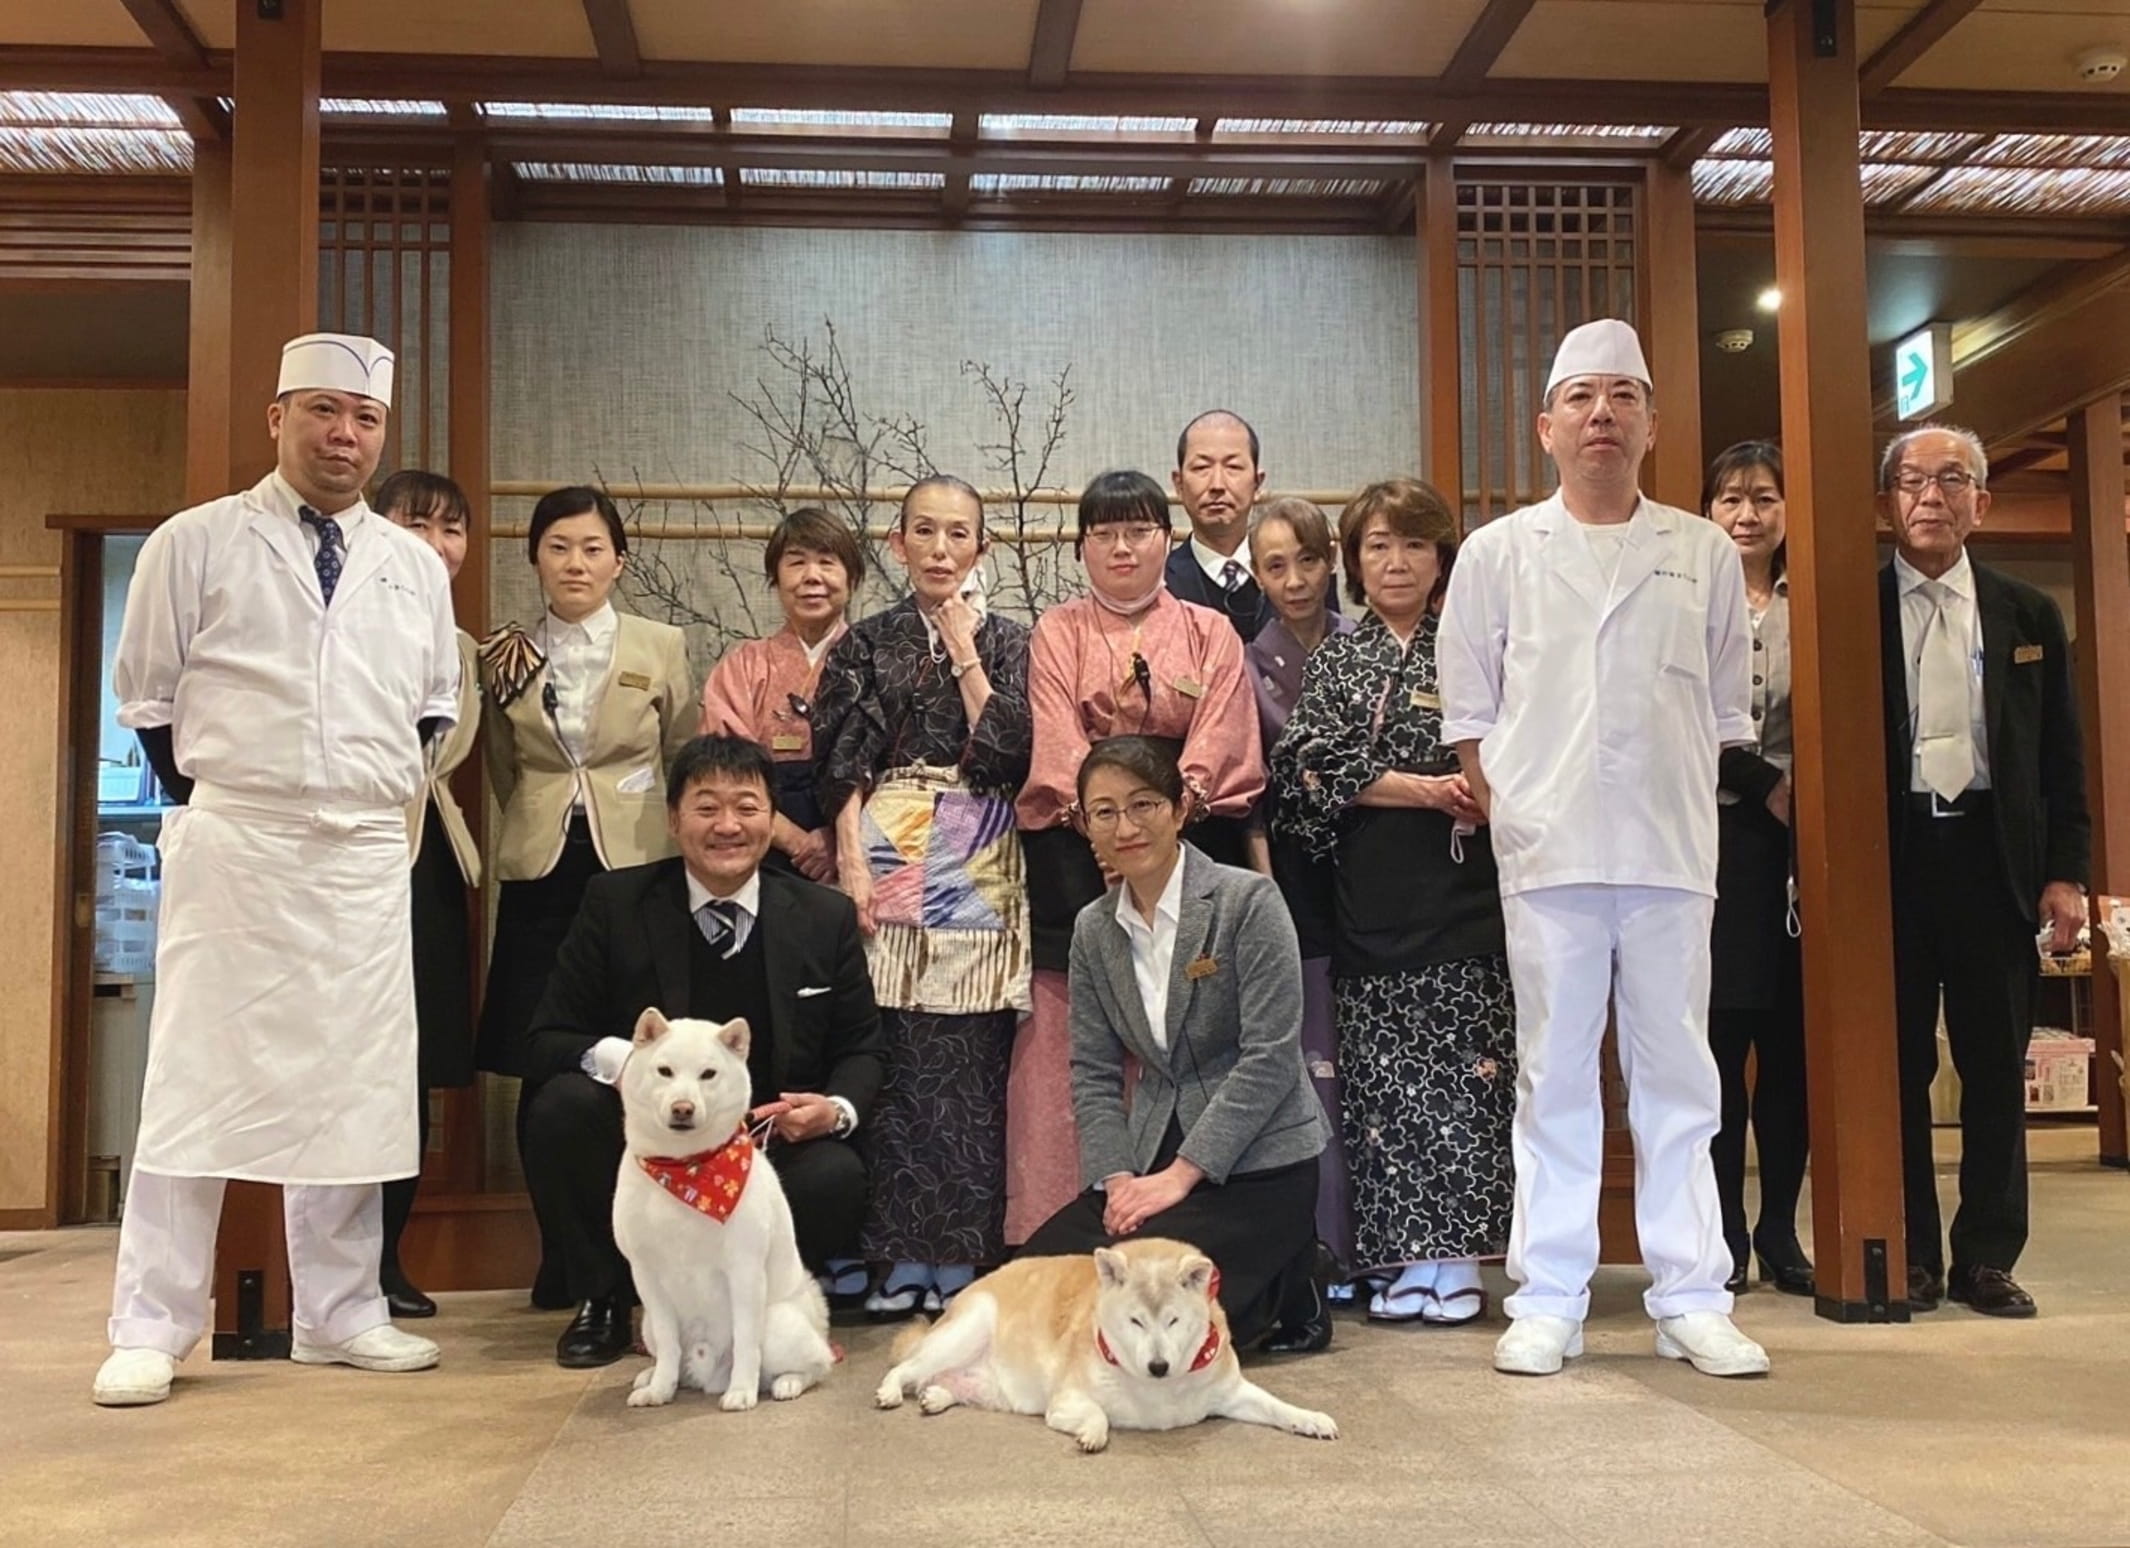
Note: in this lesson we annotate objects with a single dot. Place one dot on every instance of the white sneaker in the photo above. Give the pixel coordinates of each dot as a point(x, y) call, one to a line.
point(382, 1348)
point(1711, 1343)
point(1536, 1346)
point(133, 1378)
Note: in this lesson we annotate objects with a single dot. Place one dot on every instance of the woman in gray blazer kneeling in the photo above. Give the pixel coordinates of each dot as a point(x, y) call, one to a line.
point(1190, 967)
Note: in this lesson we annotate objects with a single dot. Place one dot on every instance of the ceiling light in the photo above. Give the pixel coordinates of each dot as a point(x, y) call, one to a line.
point(1768, 300)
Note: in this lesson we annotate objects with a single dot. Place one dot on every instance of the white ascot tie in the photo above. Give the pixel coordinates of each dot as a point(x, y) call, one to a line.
point(1945, 739)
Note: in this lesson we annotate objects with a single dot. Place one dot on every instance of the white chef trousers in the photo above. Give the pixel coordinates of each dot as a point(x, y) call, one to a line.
point(165, 1273)
point(1646, 948)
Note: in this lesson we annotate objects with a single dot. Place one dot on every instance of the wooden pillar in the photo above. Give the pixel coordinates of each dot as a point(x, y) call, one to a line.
point(1672, 332)
point(1840, 801)
point(273, 275)
point(2100, 562)
point(1441, 381)
point(207, 367)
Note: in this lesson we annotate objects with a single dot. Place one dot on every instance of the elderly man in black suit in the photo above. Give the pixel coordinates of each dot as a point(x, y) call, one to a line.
point(1217, 479)
point(1990, 842)
point(708, 934)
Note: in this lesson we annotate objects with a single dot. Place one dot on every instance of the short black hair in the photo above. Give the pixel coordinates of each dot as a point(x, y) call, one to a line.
point(734, 756)
point(422, 494)
point(1151, 760)
point(1118, 496)
point(575, 500)
point(1183, 441)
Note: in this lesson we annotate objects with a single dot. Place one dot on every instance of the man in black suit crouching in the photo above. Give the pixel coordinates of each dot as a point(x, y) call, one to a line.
point(1991, 844)
point(708, 934)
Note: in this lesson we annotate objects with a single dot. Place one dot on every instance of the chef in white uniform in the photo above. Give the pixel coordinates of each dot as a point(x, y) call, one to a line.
point(284, 652)
point(1594, 658)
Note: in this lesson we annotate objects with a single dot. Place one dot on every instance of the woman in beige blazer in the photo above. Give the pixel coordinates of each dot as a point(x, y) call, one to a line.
point(446, 865)
point(583, 713)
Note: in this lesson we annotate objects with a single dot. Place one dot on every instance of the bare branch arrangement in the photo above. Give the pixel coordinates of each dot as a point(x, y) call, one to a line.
point(812, 430)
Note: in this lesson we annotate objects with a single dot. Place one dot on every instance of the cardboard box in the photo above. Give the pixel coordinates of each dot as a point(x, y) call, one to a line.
point(2059, 1074)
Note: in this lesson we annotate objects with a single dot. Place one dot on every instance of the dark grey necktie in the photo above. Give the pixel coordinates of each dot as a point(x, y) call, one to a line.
point(331, 555)
point(720, 924)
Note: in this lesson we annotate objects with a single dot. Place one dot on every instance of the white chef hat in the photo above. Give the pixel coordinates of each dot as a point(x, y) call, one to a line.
point(1607, 347)
point(336, 362)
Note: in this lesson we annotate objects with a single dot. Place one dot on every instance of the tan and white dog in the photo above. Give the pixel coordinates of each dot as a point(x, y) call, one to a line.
point(727, 1305)
point(1131, 1337)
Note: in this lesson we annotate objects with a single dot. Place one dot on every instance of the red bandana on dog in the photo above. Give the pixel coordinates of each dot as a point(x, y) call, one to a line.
point(1207, 1351)
point(710, 1182)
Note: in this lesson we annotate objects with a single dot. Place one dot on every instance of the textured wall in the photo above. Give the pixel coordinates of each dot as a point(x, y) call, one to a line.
point(618, 350)
point(113, 451)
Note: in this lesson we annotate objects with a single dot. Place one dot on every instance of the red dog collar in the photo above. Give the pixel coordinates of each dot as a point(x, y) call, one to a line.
point(710, 1182)
point(1207, 1351)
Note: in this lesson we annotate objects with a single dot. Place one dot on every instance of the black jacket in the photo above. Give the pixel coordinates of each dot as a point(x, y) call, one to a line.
point(2036, 763)
point(1247, 608)
point(628, 949)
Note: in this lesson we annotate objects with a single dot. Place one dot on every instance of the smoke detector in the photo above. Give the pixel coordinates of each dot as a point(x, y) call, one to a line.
point(1735, 341)
point(2101, 64)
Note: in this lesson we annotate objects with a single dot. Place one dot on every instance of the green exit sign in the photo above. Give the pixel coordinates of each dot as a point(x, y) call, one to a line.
point(1922, 372)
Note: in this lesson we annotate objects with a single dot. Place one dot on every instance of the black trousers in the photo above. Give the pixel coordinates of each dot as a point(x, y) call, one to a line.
point(1955, 930)
point(573, 1152)
point(1259, 1228)
point(1775, 1107)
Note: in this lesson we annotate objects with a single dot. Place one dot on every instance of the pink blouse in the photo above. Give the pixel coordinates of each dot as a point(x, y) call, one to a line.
point(1082, 687)
point(751, 691)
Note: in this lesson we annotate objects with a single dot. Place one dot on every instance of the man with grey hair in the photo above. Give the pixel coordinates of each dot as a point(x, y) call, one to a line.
point(1991, 844)
point(1593, 657)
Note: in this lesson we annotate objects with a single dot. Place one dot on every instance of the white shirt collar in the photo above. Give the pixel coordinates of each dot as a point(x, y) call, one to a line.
point(1168, 906)
point(1212, 561)
point(598, 627)
point(1960, 579)
point(749, 897)
point(280, 497)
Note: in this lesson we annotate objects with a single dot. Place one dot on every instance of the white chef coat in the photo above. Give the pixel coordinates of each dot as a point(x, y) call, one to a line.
point(1965, 616)
point(1599, 709)
point(282, 1044)
point(228, 641)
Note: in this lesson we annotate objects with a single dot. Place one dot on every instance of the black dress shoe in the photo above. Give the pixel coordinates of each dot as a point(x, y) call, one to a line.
point(1990, 1291)
point(598, 1335)
point(1739, 1282)
point(1925, 1289)
point(1305, 1325)
point(1785, 1266)
point(404, 1299)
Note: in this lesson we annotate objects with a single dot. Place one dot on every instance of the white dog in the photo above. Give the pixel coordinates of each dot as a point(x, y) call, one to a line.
point(705, 1225)
point(1132, 1337)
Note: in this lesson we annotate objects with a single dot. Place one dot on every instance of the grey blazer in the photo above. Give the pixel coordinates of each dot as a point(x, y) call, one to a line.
point(1232, 1074)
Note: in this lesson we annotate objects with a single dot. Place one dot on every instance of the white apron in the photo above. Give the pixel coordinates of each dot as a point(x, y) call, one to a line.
point(282, 1047)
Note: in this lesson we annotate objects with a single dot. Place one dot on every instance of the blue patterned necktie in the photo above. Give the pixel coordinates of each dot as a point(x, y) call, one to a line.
point(331, 554)
point(720, 924)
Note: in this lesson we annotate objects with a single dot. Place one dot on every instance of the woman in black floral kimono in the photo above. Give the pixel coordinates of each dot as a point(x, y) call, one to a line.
point(921, 731)
point(1427, 1043)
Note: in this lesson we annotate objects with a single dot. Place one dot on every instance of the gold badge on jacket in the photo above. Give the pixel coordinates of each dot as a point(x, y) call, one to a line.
point(1201, 967)
point(2025, 655)
point(634, 679)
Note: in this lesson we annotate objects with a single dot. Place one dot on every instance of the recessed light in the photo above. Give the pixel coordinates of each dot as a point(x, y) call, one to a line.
point(1768, 300)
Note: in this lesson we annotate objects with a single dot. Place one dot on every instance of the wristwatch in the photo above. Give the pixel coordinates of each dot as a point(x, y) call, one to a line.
point(846, 1118)
point(956, 668)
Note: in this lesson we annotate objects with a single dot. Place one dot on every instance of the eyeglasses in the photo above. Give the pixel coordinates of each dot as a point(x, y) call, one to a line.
point(1129, 535)
point(1952, 481)
point(1142, 809)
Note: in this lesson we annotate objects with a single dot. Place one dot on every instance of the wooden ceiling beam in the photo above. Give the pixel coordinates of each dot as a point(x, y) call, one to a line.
point(954, 199)
point(1688, 146)
point(1483, 42)
point(1918, 36)
point(613, 35)
point(172, 37)
point(1057, 27)
point(1969, 236)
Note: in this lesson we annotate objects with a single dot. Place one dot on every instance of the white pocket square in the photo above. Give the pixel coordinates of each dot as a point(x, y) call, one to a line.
point(811, 990)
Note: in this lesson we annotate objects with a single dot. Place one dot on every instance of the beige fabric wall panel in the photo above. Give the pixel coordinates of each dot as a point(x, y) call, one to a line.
point(103, 450)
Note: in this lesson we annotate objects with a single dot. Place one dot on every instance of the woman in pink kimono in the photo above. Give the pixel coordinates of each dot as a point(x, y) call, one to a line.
point(764, 689)
point(1125, 659)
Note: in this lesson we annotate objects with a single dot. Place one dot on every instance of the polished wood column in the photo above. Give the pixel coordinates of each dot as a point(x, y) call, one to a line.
point(2100, 561)
point(1441, 380)
point(1671, 312)
point(1840, 801)
point(273, 278)
point(207, 365)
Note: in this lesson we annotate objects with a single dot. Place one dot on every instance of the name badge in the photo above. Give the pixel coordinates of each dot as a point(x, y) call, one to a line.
point(634, 680)
point(1190, 687)
point(1422, 699)
point(792, 743)
point(1202, 967)
point(2023, 655)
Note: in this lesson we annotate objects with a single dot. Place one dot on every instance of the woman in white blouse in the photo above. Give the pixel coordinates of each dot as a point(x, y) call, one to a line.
point(582, 713)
